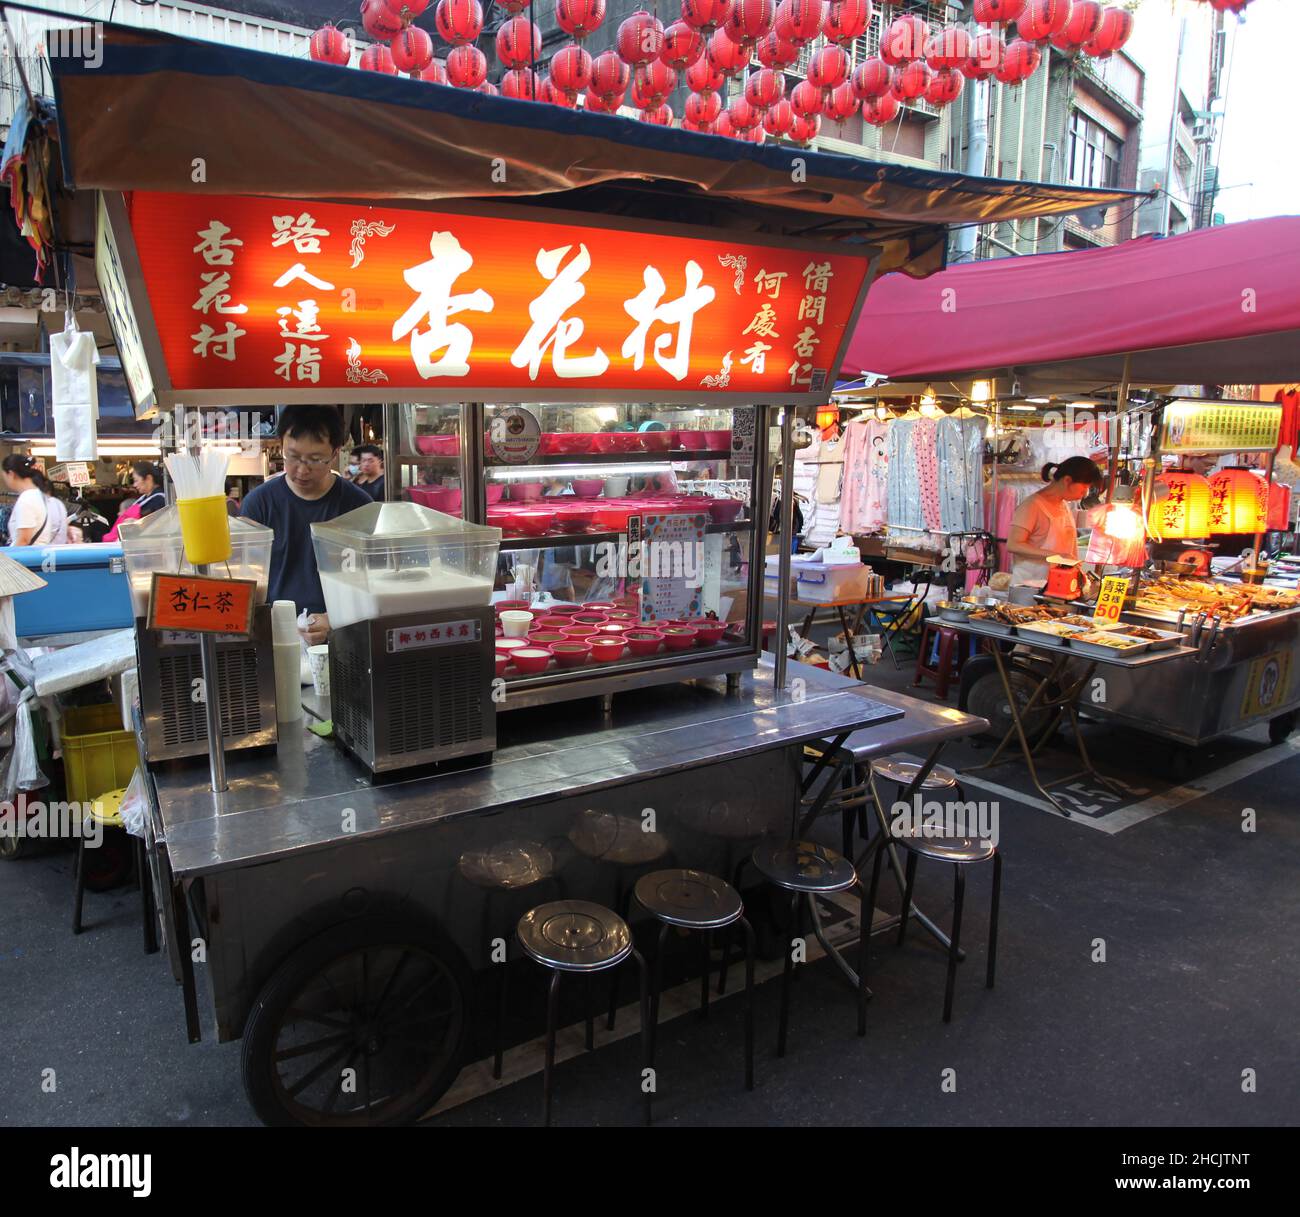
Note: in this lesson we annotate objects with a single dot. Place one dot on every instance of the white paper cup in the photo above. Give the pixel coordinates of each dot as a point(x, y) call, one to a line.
point(319, 658)
point(284, 622)
point(616, 487)
point(515, 623)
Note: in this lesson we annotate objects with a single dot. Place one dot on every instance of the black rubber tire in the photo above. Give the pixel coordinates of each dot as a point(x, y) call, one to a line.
point(1281, 727)
point(986, 698)
point(341, 951)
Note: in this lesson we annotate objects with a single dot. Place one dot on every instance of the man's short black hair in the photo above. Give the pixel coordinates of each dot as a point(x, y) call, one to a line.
point(369, 450)
point(324, 423)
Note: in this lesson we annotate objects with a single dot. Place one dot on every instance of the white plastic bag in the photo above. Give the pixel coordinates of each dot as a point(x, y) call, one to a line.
point(20, 769)
point(134, 805)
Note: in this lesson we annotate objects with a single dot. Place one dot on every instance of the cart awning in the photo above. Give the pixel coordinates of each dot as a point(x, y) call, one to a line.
point(266, 124)
point(1216, 306)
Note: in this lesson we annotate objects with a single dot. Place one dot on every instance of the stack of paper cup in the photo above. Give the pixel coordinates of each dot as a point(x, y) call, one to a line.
point(286, 652)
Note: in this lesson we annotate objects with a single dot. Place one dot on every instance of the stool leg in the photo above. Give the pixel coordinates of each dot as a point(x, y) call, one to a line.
point(909, 883)
point(864, 944)
point(749, 1003)
point(552, 1015)
point(785, 979)
point(706, 942)
point(79, 881)
point(656, 988)
point(993, 919)
point(501, 1015)
point(726, 960)
point(146, 898)
point(946, 640)
point(647, 1047)
point(590, 1036)
point(959, 898)
point(620, 899)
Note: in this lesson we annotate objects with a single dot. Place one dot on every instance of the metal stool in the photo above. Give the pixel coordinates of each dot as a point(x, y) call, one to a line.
point(903, 774)
point(807, 870)
point(961, 852)
point(696, 901)
point(583, 938)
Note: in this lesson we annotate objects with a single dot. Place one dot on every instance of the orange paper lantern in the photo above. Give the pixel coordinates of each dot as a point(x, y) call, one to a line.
point(1184, 512)
point(1238, 502)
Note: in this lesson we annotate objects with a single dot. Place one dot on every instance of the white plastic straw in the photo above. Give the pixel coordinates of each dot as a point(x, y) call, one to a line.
point(199, 477)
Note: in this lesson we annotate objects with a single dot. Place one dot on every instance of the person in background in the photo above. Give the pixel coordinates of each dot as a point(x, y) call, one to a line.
point(1044, 526)
point(38, 518)
point(147, 480)
point(232, 498)
point(370, 466)
point(307, 492)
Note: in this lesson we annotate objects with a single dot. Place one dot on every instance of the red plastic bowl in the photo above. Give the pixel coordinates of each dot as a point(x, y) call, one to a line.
point(525, 492)
point(494, 491)
point(613, 629)
point(505, 606)
point(555, 621)
point(604, 441)
point(656, 441)
point(622, 615)
point(708, 632)
point(598, 606)
point(724, 511)
point(717, 441)
point(533, 521)
point(572, 653)
point(544, 638)
point(589, 618)
point(531, 660)
point(579, 631)
point(679, 637)
point(438, 445)
point(564, 610)
point(503, 662)
point(644, 642)
point(564, 442)
point(587, 488)
point(606, 650)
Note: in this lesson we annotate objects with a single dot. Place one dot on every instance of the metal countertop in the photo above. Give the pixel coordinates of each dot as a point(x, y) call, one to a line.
point(296, 800)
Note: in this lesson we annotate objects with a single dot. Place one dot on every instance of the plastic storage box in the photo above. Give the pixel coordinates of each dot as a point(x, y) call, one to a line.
point(86, 589)
point(820, 582)
point(98, 756)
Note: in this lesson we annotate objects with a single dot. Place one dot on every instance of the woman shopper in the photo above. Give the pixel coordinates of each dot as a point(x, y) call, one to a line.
point(147, 480)
point(38, 518)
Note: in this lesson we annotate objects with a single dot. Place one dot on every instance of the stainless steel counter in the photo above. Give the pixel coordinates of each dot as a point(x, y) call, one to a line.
point(310, 795)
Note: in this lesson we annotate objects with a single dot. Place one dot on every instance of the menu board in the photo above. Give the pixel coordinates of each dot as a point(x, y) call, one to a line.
point(1220, 426)
point(670, 551)
point(1110, 601)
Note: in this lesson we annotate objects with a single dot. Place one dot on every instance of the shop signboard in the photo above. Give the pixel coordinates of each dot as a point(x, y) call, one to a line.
point(201, 604)
point(1110, 600)
point(1268, 685)
point(670, 550)
point(111, 277)
point(1220, 426)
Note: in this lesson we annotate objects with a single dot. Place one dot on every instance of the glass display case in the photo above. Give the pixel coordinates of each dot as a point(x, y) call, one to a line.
point(629, 533)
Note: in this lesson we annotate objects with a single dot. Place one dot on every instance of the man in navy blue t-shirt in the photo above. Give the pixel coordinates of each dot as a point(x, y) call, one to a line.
point(309, 492)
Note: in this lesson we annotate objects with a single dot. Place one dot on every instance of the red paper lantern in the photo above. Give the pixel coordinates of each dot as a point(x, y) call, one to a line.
point(435, 73)
point(1183, 511)
point(1019, 62)
point(1113, 32)
point(871, 78)
point(329, 45)
point(947, 48)
point(1230, 6)
point(683, 45)
point(829, 67)
point(904, 39)
point(841, 103)
point(550, 93)
point(764, 88)
point(652, 84)
point(488, 88)
point(378, 58)
point(458, 21)
point(806, 98)
point(776, 52)
point(730, 58)
point(749, 20)
point(698, 128)
point(640, 38)
point(520, 83)
point(466, 66)
point(910, 81)
point(722, 126)
point(1238, 502)
point(412, 49)
point(609, 75)
point(1081, 27)
point(705, 15)
point(703, 77)
point(379, 21)
point(986, 54)
point(603, 104)
point(804, 128)
point(512, 7)
point(880, 110)
point(703, 107)
point(998, 12)
point(1042, 18)
point(756, 135)
point(407, 8)
point(778, 119)
point(578, 18)
point(571, 69)
point(945, 87)
point(518, 44)
point(800, 20)
point(846, 20)
point(660, 116)
point(743, 115)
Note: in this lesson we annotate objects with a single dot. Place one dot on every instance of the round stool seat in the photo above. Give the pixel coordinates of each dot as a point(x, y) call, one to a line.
point(691, 899)
point(107, 809)
point(802, 866)
point(510, 865)
point(574, 936)
point(904, 773)
point(620, 839)
point(945, 849)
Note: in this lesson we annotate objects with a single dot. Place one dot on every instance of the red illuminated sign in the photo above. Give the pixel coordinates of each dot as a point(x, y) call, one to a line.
point(280, 295)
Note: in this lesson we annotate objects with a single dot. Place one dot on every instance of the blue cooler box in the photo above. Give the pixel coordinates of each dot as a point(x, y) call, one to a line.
point(86, 589)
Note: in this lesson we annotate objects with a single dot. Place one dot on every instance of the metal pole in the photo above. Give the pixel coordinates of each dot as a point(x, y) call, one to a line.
point(786, 536)
point(1167, 213)
point(212, 706)
point(1122, 403)
point(1259, 536)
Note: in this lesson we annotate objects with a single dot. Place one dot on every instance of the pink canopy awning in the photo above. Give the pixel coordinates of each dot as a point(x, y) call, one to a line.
point(1216, 306)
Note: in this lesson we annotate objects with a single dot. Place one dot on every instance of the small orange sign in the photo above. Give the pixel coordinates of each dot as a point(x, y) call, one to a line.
point(202, 604)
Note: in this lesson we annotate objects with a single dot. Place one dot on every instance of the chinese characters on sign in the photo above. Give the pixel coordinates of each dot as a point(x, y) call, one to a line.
point(1214, 426)
point(255, 293)
point(1110, 600)
point(434, 634)
point(201, 604)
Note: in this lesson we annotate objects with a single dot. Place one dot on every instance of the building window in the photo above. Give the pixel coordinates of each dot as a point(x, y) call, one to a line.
point(1094, 153)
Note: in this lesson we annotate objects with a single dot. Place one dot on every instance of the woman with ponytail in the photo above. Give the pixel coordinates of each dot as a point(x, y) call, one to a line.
point(38, 518)
point(1044, 526)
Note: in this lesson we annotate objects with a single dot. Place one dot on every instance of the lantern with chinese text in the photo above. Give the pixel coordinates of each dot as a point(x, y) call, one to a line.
point(548, 91)
point(578, 18)
point(518, 44)
point(743, 116)
point(722, 126)
point(1238, 502)
point(329, 45)
point(730, 58)
point(379, 21)
point(571, 69)
point(947, 48)
point(800, 21)
point(764, 88)
point(640, 38)
point(458, 21)
point(776, 52)
point(846, 20)
point(986, 54)
point(1019, 62)
point(804, 128)
point(378, 58)
point(829, 67)
point(703, 77)
point(703, 107)
point(435, 73)
point(944, 88)
point(1083, 23)
point(806, 99)
point(998, 12)
point(910, 81)
point(749, 20)
point(603, 103)
point(871, 78)
point(660, 115)
point(466, 66)
point(904, 39)
point(1113, 32)
point(652, 84)
point(880, 110)
point(841, 103)
point(705, 15)
point(412, 49)
point(407, 8)
point(683, 45)
point(609, 75)
point(1181, 510)
point(520, 83)
point(1042, 18)
point(778, 119)
point(488, 88)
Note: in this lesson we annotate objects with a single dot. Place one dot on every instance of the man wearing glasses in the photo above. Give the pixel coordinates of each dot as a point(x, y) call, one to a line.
point(309, 492)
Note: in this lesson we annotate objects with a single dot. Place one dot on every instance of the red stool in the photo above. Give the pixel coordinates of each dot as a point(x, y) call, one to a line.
point(951, 656)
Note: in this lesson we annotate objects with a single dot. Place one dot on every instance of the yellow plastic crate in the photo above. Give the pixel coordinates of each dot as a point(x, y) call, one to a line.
point(98, 755)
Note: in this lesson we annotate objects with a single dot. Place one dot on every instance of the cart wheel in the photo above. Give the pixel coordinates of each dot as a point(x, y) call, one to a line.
point(1281, 727)
point(987, 699)
point(364, 1025)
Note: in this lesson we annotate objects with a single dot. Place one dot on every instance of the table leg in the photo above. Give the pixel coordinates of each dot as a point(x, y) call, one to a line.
point(848, 638)
point(828, 789)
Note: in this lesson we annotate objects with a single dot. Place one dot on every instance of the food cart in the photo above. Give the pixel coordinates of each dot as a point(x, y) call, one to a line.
point(371, 259)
